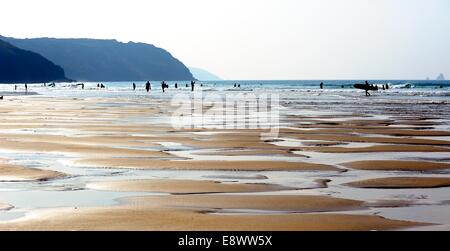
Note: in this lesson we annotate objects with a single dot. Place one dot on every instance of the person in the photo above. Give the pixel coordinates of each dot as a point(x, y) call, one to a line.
point(342, 86)
point(387, 86)
point(26, 88)
point(187, 85)
point(367, 88)
point(164, 86)
point(321, 85)
point(384, 87)
point(239, 85)
point(15, 87)
point(192, 85)
point(134, 87)
point(234, 85)
point(102, 86)
point(98, 85)
point(82, 86)
point(148, 87)
point(176, 85)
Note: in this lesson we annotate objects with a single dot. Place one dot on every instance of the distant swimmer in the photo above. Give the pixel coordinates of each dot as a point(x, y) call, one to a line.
point(102, 86)
point(98, 85)
point(148, 87)
point(187, 85)
point(321, 85)
point(134, 87)
point(176, 85)
point(192, 85)
point(384, 87)
point(387, 86)
point(82, 86)
point(342, 86)
point(26, 88)
point(234, 85)
point(239, 85)
point(15, 87)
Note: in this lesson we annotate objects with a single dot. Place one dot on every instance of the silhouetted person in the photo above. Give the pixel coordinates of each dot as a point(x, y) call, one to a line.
point(15, 87)
point(26, 88)
point(321, 85)
point(134, 87)
point(201, 85)
point(387, 86)
point(187, 85)
point(98, 85)
point(164, 86)
point(235, 85)
point(342, 86)
point(176, 85)
point(148, 87)
point(367, 88)
point(384, 87)
point(192, 85)
point(102, 86)
point(82, 86)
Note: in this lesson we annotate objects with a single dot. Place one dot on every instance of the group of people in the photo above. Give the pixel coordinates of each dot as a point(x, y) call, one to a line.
point(164, 86)
point(367, 87)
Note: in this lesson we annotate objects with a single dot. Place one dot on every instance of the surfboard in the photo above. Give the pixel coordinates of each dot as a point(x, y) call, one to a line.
point(365, 87)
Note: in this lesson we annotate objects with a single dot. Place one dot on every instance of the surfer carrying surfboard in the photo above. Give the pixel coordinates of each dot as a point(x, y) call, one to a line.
point(366, 87)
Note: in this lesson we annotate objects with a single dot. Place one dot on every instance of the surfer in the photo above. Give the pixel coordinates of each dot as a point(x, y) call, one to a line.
point(321, 85)
point(148, 87)
point(367, 86)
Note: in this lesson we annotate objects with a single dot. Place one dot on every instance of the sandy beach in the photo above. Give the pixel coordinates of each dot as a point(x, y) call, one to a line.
point(114, 162)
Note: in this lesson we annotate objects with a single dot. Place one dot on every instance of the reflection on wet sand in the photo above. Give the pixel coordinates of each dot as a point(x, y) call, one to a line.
point(115, 163)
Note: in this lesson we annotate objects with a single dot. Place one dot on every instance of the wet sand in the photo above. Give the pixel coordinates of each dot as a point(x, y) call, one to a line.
point(380, 165)
point(216, 179)
point(139, 163)
point(154, 214)
point(402, 182)
point(14, 173)
point(183, 186)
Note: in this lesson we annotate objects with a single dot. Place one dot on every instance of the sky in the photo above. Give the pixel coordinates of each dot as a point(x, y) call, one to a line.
point(259, 39)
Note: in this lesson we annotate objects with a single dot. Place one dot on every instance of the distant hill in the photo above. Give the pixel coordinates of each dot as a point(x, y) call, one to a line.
point(107, 60)
point(440, 77)
point(22, 66)
point(202, 74)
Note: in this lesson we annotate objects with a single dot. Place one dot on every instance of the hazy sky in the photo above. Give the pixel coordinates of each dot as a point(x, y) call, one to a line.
point(260, 39)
